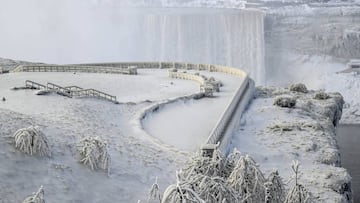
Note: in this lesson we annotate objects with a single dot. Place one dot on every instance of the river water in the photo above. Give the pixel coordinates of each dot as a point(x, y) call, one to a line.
point(348, 137)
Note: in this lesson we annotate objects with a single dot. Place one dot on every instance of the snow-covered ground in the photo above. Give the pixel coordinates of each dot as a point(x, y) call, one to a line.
point(136, 157)
point(275, 136)
point(306, 41)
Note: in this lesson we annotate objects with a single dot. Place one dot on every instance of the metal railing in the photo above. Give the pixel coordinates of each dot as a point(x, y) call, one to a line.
point(71, 91)
point(93, 93)
point(71, 68)
point(34, 85)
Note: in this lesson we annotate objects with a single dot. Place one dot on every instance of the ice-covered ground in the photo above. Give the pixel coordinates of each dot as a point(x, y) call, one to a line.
point(275, 136)
point(136, 158)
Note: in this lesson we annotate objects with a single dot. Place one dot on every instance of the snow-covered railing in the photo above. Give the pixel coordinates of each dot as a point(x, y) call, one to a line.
point(34, 85)
point(222, 132)
point(71, 91)
point(75, 68)
point(93, 93)
point(187, 76)
point(58, 88)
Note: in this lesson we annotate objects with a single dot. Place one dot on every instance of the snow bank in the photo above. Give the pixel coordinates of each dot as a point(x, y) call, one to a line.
point(275, 136)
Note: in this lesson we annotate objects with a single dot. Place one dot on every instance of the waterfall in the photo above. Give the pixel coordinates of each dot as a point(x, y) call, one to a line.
point(234, 38)
point(86, 32)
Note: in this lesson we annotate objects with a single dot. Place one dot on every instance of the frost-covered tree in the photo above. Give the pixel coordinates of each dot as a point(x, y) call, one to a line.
point(207, 177)
point(213, 189)
point(298, 193)
point(94, 153)
point(180, 192)
point(274, 188)
point(32, 141)
point(247, 179)
point(209, 166)
point(36, 197)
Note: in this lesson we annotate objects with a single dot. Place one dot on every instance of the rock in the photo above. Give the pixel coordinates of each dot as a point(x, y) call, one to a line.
point(285, 101)
point(299, 87)
point(321, 96)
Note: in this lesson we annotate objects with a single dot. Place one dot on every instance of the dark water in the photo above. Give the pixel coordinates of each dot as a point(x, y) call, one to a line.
point(348, 137)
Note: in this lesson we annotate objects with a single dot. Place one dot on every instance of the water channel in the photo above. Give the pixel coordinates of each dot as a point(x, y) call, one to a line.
point(349, 142)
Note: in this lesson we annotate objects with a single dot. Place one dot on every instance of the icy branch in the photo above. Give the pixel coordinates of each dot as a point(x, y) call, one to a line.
point(37, 197)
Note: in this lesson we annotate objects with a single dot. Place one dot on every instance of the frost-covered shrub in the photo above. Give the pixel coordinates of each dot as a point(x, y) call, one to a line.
point(154, 193)
point(298, 193)
point(37, 197)
point(94, 153)
point(213, 189)
point(32, 141)
point(274, 188)
point(180, 192)
point(210, 166)
point(247, 179)
point(207, 178)
point(285, 101)
point(321, 96)
point(299, 87)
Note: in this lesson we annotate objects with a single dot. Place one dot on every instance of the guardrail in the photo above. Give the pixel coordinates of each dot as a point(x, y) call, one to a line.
point(71, 68)
point(221, 134)
point(93, 93)
point(59, 89)
point(34, 85)
point(71, 91)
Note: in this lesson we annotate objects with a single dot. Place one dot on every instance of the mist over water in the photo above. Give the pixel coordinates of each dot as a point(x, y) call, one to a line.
point(95, 31)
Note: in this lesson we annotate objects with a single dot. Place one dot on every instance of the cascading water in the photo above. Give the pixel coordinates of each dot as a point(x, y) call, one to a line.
point(96, 32)
point(215, 37)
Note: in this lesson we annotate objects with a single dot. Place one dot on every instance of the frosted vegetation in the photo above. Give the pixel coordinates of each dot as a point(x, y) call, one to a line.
point(235, 178)
point(36, 197)
point(94, 153)
point(32, 141)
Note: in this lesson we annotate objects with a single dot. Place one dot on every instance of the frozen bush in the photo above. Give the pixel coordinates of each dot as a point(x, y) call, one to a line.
point(247, 179)
point(32, 141)
point(37, 197)
point(299, 87)
point(213, 189)
point(180, 192)
point(285, 101)
point(298, 193)
point(210, 166)
point(94, 153)
point(154, 193)
point(274, 188)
